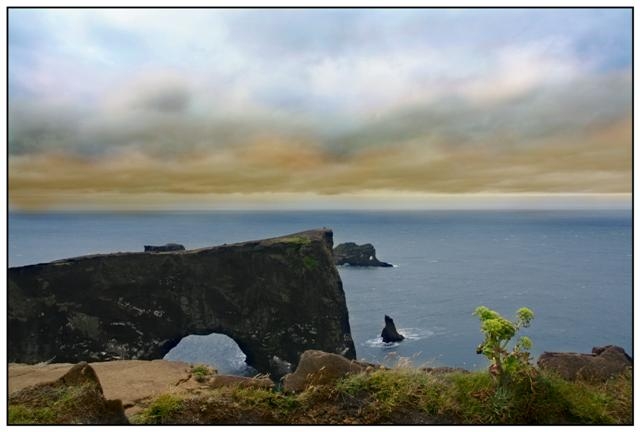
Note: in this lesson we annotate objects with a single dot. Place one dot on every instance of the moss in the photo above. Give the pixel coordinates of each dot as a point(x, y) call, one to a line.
point(298, 240)
point(310, 262)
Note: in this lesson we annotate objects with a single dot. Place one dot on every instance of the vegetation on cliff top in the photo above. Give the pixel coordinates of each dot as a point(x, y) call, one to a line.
point(406, 396)
point(512, 391)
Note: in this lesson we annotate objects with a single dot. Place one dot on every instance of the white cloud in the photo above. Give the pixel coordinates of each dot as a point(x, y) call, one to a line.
point(517, 70)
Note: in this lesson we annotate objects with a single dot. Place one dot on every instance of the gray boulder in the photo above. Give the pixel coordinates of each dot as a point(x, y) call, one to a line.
point(320, 368)
point(600, 365)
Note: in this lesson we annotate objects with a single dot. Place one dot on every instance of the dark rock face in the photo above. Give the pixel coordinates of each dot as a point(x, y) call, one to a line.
point(76, 397)
point(357, 255)
point(169, 247)
point(601, 364)
point(318, 368)
point(276, 298)
point(389, 332)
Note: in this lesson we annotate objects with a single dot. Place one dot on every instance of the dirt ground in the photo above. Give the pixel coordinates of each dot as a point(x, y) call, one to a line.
point(131, 381)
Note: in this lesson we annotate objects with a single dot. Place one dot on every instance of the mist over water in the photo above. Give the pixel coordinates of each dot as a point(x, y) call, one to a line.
point(572, 268)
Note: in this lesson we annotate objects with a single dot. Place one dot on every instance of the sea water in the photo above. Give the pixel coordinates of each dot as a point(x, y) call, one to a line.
point(572, 268)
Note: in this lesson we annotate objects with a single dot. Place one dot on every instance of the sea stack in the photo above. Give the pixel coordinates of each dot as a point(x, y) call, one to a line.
point(389, 332)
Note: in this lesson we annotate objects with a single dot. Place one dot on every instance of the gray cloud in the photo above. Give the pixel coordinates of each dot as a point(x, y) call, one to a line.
point(326, 102)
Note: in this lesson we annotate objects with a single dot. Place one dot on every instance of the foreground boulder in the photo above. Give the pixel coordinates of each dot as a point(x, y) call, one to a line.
point(169, 247)
point(601, 364)
point(357, 255)
point(320, 368)
point(275, 298)
point(76, 397)
point(389, 332)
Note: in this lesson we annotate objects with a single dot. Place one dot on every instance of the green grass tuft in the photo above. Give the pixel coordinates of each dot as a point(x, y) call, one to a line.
point(201, 372)
point(21, 414)
point(298, 240)
point(279, 403)
point(161, 410)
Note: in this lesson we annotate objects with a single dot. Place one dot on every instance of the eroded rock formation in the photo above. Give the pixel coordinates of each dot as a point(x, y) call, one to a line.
point(276, 298)
point(357, 255)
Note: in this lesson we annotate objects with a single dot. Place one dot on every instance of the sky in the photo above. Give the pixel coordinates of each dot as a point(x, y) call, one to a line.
point(319, 108)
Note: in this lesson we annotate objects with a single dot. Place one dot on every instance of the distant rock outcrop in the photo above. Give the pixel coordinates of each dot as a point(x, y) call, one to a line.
point(169, 247)
point(601, 364)
point(357, 255)
point(389, 332)
point(275, 298)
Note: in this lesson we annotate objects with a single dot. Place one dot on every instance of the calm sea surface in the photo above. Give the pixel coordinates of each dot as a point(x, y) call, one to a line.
point(572, 268)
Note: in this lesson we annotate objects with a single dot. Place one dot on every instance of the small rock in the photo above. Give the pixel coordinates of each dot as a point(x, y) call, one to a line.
point(279, 367)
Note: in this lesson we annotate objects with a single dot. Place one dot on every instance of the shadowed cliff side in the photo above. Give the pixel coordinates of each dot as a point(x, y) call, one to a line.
point(276, 298)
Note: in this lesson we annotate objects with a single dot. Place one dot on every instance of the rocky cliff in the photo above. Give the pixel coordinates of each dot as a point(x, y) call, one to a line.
point(276, 298)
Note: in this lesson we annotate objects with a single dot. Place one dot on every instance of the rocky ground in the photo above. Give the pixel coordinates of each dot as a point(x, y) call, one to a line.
point(131, 381)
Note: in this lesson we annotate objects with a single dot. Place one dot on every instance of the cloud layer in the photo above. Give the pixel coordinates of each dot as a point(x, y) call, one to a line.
point(147, 104)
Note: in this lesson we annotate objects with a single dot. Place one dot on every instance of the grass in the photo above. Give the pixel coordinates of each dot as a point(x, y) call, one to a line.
point(201, 372)
point(299, 240)
point(162, 410)
point(474, 398)
point(61, 405)
point(21, 414)
point(402, 395)
point(405, 396)
point(222, 406)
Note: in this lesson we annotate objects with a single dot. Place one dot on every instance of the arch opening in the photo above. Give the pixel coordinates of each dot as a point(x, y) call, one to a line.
point(216, 350)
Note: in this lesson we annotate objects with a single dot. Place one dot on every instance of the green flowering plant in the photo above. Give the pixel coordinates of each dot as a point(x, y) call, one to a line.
point(507, 366)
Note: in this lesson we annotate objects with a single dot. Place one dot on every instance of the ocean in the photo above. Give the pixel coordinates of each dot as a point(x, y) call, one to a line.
point(572, 268)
